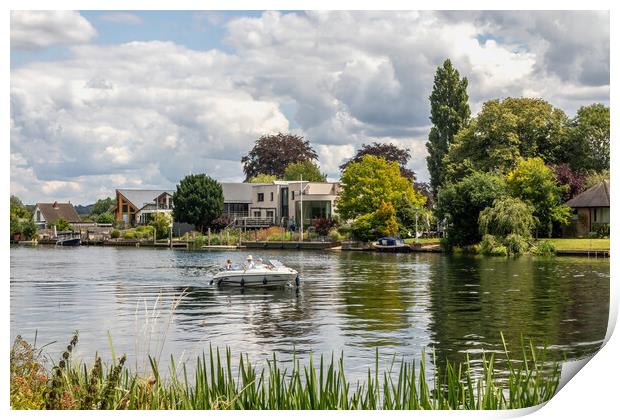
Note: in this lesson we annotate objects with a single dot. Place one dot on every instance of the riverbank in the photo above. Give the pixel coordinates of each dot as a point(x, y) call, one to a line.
point(219, 383)
point(595, 248)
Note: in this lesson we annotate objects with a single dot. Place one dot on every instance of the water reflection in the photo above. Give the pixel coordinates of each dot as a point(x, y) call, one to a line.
point(351, 302)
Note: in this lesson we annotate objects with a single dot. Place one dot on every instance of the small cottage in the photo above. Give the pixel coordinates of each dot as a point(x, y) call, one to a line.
point(46, 214)
point(591, 209)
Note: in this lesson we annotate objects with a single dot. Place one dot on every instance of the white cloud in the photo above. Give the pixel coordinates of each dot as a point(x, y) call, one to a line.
point(147, 113)
point(122, 17)
point(119, 110)
point(31, 30)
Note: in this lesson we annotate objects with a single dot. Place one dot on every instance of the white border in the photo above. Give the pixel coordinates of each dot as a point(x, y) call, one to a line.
point(592, 393)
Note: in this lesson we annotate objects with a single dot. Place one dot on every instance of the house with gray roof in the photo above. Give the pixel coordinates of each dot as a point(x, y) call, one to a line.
point(591, 208)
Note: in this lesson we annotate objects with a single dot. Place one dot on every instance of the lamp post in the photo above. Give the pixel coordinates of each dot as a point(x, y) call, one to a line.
point(416, 226)
point(301, 209)
point(170, 233)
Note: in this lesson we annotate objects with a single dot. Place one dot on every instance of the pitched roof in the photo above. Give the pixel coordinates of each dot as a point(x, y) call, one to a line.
point(54, 211)
point(140, 198)
point(596, 196)
point(237, 192)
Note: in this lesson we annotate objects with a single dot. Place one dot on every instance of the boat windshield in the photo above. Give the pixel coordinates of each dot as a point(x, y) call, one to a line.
point(275, 263)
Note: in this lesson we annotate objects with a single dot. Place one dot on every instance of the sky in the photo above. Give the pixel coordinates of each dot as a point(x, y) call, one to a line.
point(121, 99)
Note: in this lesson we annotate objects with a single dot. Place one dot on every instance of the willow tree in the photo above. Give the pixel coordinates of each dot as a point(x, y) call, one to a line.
point(449, 113)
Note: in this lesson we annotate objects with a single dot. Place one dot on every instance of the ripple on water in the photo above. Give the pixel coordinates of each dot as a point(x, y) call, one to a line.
point(349, 302)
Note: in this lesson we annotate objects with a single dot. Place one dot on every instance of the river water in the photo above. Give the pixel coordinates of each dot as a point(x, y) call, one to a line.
point(159, 302)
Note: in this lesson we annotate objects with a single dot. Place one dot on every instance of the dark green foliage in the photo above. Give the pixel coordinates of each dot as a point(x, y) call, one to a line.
point(506, 131)
point(21, 221)
point(387, 151)
point(516, 244)
point(198, 200)
point(449, 113)
point(589, 139)
point(105, 205)
point(105, 218)
point(493, 247)
point(273, 153)
point(601, 230)
point(535, 183)
point(460, 205)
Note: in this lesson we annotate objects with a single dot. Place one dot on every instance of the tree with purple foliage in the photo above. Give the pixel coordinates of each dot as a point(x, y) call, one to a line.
point(273, 153)
point(575, 182)
point(387, 151)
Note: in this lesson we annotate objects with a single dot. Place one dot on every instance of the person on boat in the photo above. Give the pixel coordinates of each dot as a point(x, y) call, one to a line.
point(249, 262)
point(229, 264)
point(259, 263)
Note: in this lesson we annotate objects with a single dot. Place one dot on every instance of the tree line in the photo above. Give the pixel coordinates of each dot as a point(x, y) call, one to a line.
point(516, 162)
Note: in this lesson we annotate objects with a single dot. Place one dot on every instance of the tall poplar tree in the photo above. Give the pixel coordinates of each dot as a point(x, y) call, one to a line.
point(449, 113)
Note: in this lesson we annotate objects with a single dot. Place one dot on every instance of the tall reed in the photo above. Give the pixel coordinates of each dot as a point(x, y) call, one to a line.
point(218, 383)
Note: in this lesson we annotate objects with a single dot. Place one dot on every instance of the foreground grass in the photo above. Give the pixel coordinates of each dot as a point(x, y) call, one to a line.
point(579, 244)
point(71, 385)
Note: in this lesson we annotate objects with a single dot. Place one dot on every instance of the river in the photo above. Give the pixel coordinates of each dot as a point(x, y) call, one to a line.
point(159, 301)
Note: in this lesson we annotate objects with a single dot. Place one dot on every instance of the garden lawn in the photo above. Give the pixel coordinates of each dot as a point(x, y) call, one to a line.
point(424, 241)
point(562, 244)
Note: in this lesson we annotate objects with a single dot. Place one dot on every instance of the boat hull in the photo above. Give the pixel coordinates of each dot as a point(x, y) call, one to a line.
point(69, 242)
point(260, 279)
point(392, 248)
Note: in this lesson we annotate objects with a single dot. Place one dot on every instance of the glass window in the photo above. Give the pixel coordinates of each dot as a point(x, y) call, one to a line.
point(270, 214)
point(257, 214)
point(293, 195)
point(261, 197)
point(272, 196)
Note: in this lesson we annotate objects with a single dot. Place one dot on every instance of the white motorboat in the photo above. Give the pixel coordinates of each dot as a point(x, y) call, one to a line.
point(269, 273)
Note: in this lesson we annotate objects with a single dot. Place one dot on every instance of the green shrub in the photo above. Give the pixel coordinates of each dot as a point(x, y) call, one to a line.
point(115, 234)
point(543, 248)
point(335, 236)
point(446, 245)
point(128, 234)
point(105, 218)
point(515, 244)
point(199, 241)
point(491, 246)
point(601, 230)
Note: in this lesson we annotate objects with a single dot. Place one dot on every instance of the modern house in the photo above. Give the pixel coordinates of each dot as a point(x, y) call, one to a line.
point(247, 205)
point(46, 214)
point(590, 208)
point(135, 207)
point(279, 202)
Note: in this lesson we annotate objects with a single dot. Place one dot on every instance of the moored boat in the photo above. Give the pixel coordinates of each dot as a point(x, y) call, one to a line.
point(391, 244)
point(68, 238)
